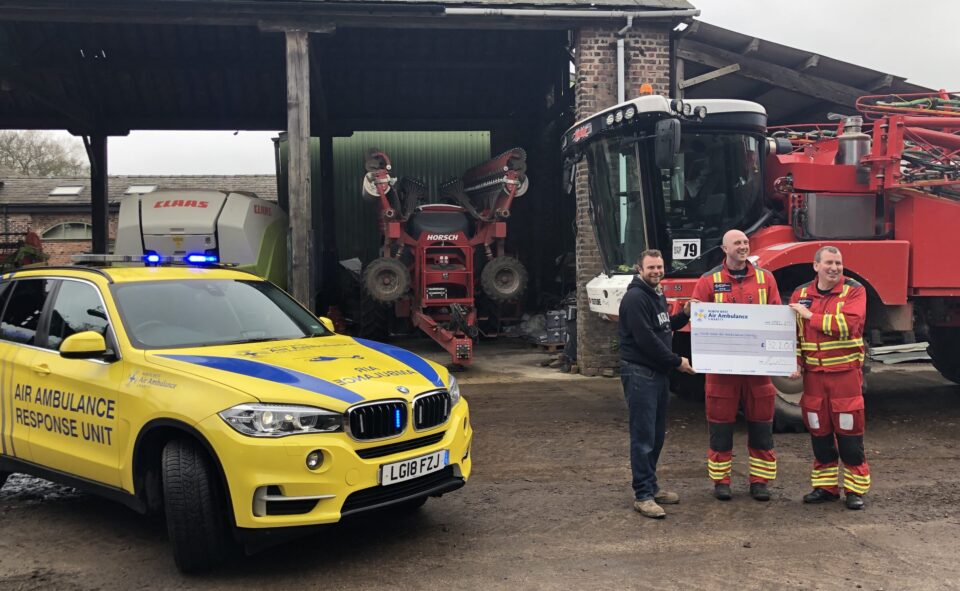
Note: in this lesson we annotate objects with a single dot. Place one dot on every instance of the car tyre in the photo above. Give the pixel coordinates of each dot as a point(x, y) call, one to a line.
point(196, 521)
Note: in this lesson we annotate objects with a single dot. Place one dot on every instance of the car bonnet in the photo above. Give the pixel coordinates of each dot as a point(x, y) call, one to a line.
point(332, 372)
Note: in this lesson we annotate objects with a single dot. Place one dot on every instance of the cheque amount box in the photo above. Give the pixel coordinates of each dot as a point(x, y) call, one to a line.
point(743, 339)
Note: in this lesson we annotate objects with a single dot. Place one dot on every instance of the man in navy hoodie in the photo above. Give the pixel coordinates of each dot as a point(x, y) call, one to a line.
point(646, 358)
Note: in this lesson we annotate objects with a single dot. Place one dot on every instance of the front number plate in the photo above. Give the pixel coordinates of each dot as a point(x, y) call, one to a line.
point(414, 467)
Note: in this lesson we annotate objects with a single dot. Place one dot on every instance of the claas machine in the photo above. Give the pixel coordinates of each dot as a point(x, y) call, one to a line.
point(434, 256)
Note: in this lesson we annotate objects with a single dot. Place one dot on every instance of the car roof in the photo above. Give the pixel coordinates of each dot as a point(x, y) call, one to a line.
point(132, 274)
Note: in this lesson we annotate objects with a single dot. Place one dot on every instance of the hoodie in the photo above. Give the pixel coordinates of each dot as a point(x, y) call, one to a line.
point(646, 329)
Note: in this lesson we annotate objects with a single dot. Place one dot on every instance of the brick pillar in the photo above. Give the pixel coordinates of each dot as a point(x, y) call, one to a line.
point(647, 59)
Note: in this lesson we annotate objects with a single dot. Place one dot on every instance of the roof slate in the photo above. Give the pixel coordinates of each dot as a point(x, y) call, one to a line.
point(36, 190)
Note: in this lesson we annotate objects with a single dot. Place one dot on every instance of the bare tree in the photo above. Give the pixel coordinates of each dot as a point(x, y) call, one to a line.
point(39, 153)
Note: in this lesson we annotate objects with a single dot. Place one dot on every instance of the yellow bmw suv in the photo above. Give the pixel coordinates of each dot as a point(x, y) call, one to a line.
point(212, 396)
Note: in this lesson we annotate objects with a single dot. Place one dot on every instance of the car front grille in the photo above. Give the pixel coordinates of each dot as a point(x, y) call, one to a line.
point(430, 410)
point(393, 448)
point(378, 420)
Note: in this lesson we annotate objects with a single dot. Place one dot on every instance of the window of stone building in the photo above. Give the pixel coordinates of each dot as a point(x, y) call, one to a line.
point(69, 231)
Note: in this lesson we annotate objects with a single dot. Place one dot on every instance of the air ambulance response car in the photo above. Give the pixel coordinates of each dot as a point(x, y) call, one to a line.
point(212, 396)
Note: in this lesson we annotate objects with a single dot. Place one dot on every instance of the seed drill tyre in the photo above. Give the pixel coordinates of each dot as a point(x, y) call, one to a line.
point(386, 280)
point(504, 279)
point(3, 478)
point(196, 520)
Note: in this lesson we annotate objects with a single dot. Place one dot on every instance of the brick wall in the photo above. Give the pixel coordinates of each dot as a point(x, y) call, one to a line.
point(59, 251)
point(647, 59)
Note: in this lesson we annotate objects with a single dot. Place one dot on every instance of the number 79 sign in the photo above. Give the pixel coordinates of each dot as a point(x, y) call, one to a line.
point(686, 248)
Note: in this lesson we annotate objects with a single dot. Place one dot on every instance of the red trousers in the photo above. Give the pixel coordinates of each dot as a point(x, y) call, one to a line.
point(832, 405)
point(725, 395)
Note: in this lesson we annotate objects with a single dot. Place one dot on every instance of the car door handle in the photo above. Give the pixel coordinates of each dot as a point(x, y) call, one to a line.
point(41, 368)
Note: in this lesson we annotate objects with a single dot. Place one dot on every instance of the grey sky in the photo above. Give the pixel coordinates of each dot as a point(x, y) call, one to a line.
point(915, 40)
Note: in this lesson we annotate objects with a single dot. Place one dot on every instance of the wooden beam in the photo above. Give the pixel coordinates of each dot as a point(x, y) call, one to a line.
point(806, 84)
point(301, 276)
point(344, 125)
point(96, 146)
point(679, 69)
point(709, 76)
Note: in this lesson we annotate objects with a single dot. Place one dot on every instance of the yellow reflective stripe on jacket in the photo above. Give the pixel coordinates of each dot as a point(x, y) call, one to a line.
point(842, 322)
point(831, 345)
point(717, 278)
point(844, 291)
point(834, 360)
point(825, 325)
point(761, 281)
point(803, 292)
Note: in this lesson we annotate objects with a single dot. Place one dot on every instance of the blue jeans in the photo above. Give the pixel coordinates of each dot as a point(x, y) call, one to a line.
point(646, 393)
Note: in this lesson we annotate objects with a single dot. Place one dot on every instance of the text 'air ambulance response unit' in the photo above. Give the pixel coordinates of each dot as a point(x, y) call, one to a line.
point(211, 396)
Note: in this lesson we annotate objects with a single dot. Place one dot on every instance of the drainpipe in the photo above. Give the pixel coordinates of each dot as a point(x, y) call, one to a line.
point(621, 65)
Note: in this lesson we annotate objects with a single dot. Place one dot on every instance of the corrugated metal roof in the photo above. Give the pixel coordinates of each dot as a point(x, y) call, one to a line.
point(26, 191)
point(811, 84)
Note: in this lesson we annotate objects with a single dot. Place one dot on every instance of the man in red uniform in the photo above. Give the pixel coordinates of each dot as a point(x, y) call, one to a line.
point(737, 281)
point(830, 317)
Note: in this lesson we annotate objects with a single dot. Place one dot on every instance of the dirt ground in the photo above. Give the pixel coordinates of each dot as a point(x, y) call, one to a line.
point(549, 507)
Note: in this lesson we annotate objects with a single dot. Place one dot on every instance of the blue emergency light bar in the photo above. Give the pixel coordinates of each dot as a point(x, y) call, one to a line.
point(150, 258)
point(201, 258)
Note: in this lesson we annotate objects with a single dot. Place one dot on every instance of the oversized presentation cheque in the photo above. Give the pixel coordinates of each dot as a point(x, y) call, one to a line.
point(743, 339)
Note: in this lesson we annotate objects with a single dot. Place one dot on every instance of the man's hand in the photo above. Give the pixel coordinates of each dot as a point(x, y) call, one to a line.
point(685, 366)
point(686, 306)
point(795, 375)
point(802, 311)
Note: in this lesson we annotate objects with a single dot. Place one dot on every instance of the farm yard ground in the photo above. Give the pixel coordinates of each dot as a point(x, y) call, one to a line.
point(549, 507)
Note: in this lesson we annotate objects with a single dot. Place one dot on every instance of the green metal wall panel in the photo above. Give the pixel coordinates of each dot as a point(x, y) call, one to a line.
point(431, 157)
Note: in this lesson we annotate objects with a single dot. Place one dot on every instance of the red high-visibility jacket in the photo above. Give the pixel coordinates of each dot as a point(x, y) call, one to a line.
point(757, 287)
point(832, 340)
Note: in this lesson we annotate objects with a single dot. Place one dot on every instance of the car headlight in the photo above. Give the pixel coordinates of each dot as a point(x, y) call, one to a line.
point(454, 389)
point(279, 420)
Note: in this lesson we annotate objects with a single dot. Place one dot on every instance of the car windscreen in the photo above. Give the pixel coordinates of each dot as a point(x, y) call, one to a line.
point(198, 312)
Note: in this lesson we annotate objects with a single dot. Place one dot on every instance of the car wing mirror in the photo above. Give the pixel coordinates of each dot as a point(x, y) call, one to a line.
point(84, 345)
point(327, 323)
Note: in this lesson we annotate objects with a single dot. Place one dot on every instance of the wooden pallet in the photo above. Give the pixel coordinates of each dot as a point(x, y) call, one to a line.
point(549, 347)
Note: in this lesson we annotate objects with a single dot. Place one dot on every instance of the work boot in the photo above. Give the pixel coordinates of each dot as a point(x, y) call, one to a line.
point(666, 498)
point(759, 491)
point(722, 492)
point(820, 495)
point(854, 501)
point(649, 508)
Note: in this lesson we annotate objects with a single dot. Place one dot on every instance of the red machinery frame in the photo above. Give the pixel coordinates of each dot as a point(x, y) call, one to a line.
point(441, 264)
